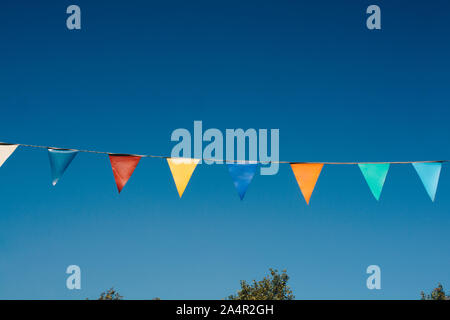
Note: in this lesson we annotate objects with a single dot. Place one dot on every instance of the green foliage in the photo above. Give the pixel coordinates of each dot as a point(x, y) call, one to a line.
point(271, 287)
point(437, 294)
point(110, 294)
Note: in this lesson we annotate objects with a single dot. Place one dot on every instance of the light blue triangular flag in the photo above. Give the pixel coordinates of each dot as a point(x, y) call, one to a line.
point(242, 174)
point(59, 161)
point(375, 175)
point(429, 174)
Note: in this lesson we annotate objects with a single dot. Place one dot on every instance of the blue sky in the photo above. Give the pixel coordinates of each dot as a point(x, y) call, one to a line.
point(139, 70)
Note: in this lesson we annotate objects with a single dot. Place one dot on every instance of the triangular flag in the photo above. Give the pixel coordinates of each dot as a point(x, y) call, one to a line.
point(59, 161)
point(242, 174)
point(5, 151)
point(429, 174)
point(306, 175)
point(182, 170)
point(123, 167)
point(375, 175)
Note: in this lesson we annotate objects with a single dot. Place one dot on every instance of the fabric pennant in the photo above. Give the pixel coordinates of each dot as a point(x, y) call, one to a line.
point(429, 174)
point(375, 175)
point(123, 167)
point(306, 175)
point(182, 170)
point(242, 174)
point(60, 159)
point(5, 151)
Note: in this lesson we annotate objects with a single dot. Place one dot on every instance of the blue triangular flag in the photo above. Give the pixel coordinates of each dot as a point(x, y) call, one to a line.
point(242, 174)
point(429, 174)
point(59, 161)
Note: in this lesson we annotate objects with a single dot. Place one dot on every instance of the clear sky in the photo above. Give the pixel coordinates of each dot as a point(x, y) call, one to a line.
point(140, 69)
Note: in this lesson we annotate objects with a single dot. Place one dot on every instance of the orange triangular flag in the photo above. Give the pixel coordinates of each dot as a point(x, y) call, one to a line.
point(182, 170)
point(123, 167)
point(306, 175)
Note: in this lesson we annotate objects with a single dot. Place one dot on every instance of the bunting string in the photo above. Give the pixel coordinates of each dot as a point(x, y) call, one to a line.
point(242, 172)
point(223, 160)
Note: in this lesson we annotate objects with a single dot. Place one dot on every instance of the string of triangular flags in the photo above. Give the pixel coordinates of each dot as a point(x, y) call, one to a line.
point(241, 172)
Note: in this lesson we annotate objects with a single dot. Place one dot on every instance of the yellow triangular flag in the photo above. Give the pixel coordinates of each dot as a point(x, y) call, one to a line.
point(5, 151)
point(182, 170)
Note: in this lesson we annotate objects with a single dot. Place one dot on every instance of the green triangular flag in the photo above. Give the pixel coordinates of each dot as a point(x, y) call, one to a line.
point(375, 175)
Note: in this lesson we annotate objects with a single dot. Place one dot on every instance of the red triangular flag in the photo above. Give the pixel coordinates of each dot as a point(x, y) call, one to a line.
point(123, 167)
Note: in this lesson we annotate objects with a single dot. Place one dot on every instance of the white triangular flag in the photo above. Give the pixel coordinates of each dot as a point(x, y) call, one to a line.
point(5, 151)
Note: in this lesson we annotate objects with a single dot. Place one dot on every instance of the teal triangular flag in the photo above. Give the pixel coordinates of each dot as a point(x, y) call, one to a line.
point(242, 174)
point(429, 174)
point(59, 161)
point(375, 175)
